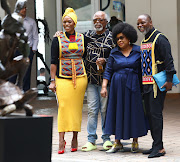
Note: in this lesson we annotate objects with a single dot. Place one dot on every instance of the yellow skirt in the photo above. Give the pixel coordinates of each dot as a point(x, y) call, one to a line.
point(70, 103)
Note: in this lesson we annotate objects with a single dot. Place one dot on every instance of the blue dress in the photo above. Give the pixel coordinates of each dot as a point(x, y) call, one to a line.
point(125, 114)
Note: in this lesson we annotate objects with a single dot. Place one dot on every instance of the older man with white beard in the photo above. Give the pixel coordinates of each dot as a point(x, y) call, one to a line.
point(98, 43)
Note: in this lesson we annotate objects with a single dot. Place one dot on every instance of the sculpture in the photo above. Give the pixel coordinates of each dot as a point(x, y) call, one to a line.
point(13, 37)
point(12, 98)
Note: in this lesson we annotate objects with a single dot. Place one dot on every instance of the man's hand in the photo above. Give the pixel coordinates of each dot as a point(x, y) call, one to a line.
point(58, 33)
point(100, 61)
point(168, 86)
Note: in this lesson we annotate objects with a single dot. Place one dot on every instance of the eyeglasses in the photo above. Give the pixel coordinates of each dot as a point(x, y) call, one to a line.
point(120, 38)
point(100, 20)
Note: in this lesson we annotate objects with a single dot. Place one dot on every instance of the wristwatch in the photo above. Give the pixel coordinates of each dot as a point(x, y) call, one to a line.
point(52, 80)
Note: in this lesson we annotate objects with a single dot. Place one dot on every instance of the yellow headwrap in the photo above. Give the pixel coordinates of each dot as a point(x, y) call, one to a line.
point(71, 13)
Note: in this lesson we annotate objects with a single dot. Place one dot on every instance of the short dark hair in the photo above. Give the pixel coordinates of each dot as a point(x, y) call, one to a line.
point(148, 16)
point(42, 70)
point(128, 30)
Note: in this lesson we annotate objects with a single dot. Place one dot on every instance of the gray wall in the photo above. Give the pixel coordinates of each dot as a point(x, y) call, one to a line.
point(50, 15)
point(164, 15)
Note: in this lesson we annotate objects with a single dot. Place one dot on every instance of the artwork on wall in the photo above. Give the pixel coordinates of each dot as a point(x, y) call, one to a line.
point(117, 6)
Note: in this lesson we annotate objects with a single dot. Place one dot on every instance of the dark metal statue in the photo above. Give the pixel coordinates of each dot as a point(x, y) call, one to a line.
point(12, 98)
point(13, 38)
point(5, 6)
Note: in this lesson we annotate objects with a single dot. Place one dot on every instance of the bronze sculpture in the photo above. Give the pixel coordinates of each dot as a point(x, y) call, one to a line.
point(12, 98)
point(12, 38)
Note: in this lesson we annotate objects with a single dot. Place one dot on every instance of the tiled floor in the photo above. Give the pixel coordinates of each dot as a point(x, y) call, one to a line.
point(171, 136)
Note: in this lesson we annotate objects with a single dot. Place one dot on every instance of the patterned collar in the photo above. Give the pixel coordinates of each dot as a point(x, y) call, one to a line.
point(94, 34)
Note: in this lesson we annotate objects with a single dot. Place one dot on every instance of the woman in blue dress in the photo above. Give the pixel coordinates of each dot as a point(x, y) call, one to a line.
point(125, 115)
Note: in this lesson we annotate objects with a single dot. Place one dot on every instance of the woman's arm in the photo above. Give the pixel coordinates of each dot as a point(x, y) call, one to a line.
point(53, 70)
point(54, 62)
point(104, 92)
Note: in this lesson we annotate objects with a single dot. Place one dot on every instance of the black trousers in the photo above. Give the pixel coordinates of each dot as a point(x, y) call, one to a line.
point(27, 77)
point(154, 112)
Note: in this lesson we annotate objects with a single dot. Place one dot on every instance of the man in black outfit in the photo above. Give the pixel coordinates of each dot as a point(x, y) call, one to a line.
point(156, 56)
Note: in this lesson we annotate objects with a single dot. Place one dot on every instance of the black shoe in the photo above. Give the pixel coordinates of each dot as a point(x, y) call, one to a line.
point(147, 152)
point(156, 154)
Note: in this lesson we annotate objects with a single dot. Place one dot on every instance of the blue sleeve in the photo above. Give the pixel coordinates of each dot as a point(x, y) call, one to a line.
point(109, 68)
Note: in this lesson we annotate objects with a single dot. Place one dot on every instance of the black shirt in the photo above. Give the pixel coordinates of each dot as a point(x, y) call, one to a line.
point(162, 53)
point(97, 46)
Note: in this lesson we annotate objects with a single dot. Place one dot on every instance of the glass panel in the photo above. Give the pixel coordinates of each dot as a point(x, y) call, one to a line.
point(83, 11)
point(115, 11)
point(115, 8)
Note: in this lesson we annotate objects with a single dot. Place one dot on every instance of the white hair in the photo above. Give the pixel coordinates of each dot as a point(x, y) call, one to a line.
point(20, 4)
point(106, 16)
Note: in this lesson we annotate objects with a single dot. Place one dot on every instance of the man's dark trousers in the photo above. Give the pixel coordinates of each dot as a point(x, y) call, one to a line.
point(154, 112)
point(27, 76)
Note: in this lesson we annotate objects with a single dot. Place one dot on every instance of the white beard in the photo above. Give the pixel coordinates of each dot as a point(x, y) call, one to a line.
point(98, 29)
point(145, 32)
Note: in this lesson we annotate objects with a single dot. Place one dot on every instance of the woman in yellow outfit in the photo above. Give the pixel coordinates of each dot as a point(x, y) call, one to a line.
point(68, 79)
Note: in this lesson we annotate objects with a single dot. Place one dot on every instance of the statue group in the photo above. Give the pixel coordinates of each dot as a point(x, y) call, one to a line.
point(13, 38)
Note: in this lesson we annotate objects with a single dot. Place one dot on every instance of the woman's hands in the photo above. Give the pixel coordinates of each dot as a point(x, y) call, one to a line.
point(52, 86)
point(104, 92)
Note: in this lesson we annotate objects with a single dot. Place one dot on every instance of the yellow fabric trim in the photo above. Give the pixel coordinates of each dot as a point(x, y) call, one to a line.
point(73, 46)
point(155, 90)
point(145, 40)
point(159, 62)
point(154, 65)
point(60, 50)
point(83, 42)
point(83, 54)
point(73, 73)
point(60, 54)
